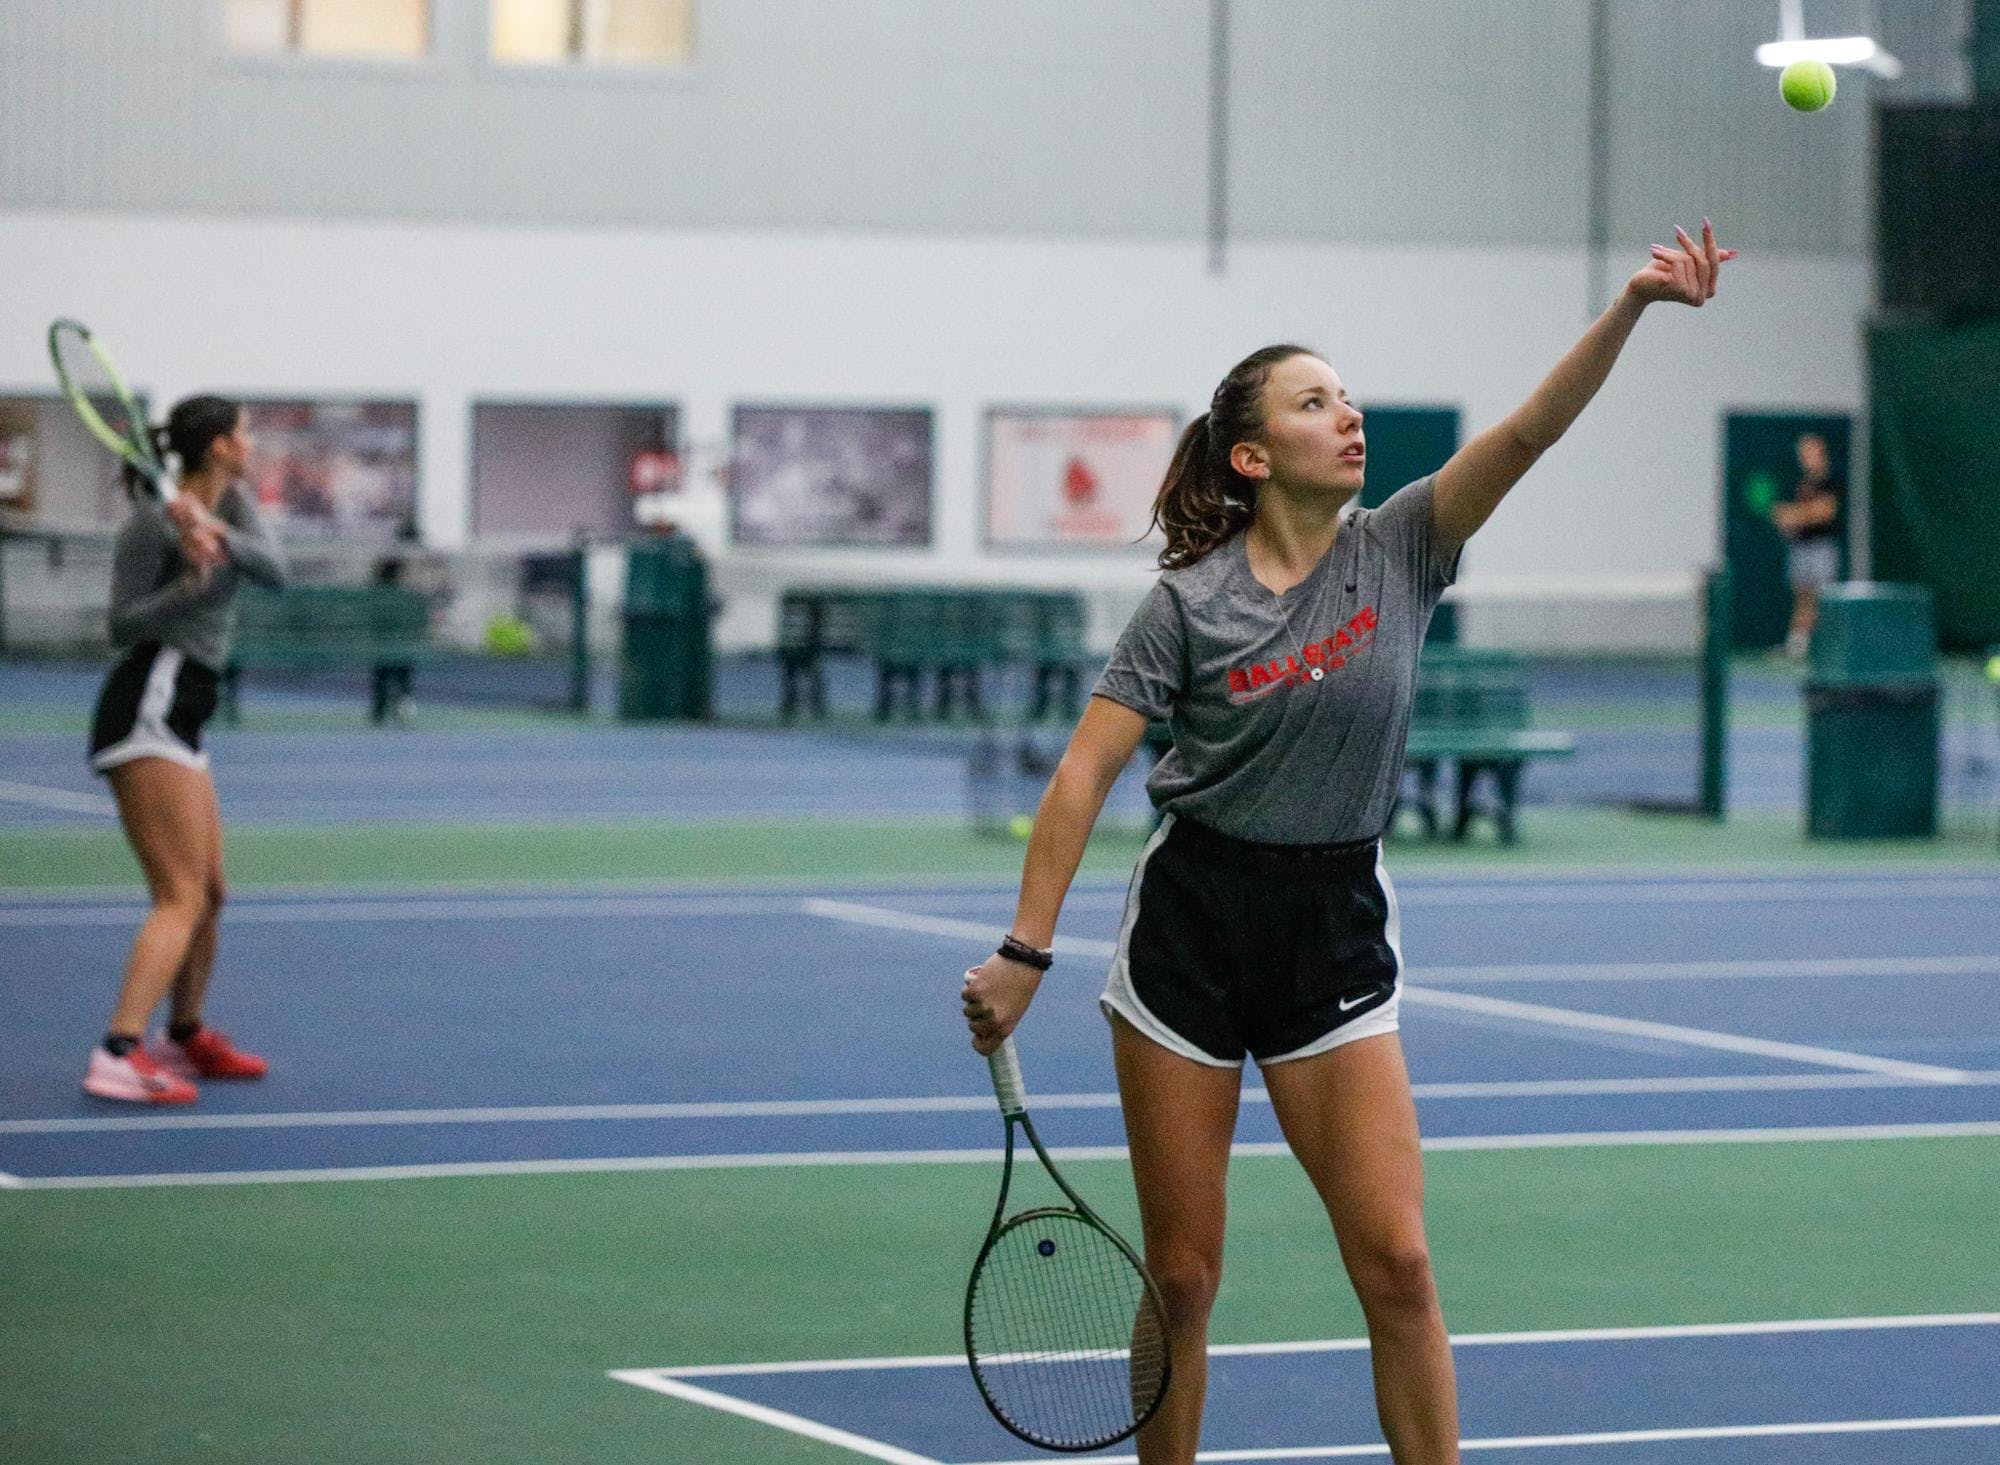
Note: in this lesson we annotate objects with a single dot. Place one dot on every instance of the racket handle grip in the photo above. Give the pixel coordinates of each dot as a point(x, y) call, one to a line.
point(1005, 1065)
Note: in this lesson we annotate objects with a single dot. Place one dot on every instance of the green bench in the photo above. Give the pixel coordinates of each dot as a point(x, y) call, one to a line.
point(910, 633)
point(382, 629)
point(1471, 712)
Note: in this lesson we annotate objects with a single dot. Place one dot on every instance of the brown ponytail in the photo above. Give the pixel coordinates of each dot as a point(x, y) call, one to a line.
point(1203, 500)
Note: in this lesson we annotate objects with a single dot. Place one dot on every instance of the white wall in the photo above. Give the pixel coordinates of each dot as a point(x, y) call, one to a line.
point(453, 314)
point(1444, 122)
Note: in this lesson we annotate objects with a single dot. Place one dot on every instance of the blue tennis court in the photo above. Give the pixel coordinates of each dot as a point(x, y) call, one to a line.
point(608, 515)
point(1741, 1013)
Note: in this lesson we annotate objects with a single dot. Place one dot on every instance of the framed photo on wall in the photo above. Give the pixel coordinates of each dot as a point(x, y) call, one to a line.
point(831, 475)
point(1077, 478)
point(554, 469)
point(335, 468)
point(51, 468)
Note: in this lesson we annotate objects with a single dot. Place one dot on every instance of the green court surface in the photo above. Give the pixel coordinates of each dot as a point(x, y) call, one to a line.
point(832, 849)
point(443, 1320)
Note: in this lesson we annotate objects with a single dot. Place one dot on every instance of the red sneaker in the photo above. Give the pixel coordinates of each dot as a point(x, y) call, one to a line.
point(208, 1054)
point(135, 1078)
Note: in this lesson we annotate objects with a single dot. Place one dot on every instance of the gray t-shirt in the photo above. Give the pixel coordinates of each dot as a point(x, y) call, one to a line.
point(1262, 751)
point(154, 599)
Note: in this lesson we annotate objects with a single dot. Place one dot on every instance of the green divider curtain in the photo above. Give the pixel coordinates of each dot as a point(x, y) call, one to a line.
point(1934, 482)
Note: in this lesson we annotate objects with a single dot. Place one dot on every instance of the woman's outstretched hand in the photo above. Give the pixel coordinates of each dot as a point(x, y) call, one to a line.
point(1687, 275)
point(996, 996)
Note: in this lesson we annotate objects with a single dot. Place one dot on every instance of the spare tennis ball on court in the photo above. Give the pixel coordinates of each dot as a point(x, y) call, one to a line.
point(1993, 669)
point(1020, 826)
point(1807, 85)
point(509, 635)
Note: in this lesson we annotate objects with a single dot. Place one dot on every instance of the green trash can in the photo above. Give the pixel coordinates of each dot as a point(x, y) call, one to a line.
point(1872, 714)
point(665, 665)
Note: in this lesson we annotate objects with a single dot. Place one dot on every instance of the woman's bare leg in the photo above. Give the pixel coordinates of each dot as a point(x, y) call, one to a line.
point(1349, 1116)
point(1179, 1119)
point(191, 981)
point(165, 807)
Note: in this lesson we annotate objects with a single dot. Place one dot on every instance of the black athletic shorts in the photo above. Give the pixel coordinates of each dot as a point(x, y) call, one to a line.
point(153, 705)
point(1276, 950)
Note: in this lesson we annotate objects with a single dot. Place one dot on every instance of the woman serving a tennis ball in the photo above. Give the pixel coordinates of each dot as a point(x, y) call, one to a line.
point(1281, 640)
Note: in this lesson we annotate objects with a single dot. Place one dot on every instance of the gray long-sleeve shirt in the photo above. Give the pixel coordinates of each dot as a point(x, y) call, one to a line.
point(155, 598)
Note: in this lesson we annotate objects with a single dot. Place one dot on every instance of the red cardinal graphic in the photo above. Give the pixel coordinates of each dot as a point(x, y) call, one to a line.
point(1079, 483)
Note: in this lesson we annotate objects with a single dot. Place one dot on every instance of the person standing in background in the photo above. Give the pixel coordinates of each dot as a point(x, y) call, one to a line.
point(1810, 522)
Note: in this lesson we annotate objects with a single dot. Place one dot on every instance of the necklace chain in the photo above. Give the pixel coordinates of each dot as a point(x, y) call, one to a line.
point(1292, 636)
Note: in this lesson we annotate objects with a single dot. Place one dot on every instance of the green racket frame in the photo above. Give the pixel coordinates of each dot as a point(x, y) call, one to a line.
point(138, 454)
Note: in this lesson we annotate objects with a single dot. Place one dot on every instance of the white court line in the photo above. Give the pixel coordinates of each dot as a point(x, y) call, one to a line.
point(56, 798)
point(806, 1159)
point(9, 1182)
point(1560, 1441)
point(1465, 1002)
point(672, 1382)
point(322, 892)
point(1709, 893)
point(518, 909)
point(777, 1418)
point(1359, 1345)
point(981, 931)
point(932, 886)
point(1671, 971)
point(952, 1103)
point(1674, 1033)
point(549, 1114)
point(1605, 888)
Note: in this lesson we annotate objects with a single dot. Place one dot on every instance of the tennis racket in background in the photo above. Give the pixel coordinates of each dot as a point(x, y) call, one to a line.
point(1065, 1331)
point(104, 404)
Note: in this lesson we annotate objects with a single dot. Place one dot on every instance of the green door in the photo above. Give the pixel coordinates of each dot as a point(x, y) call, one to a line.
point(1760, 469)
point(1405, 443)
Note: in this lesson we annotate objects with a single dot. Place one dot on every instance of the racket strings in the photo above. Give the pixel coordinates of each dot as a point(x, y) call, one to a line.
point(87, 378)
point(1067, 1340)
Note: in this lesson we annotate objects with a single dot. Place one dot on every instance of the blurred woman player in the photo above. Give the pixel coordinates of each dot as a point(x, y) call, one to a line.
point(174, 580)
point(1282, 641)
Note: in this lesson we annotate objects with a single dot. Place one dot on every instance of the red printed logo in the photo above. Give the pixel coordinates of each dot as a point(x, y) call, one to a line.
point(1260, 679)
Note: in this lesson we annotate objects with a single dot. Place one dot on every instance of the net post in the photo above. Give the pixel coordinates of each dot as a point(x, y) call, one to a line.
point(1716, 636)
point(579, 628)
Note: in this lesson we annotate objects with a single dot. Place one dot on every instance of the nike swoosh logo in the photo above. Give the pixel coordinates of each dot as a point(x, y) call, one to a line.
point(1346, 1004)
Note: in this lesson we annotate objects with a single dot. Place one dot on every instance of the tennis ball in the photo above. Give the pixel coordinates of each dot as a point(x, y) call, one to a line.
point(508, 635)
point(1993, 669)
point(1020, 826)
point(1807, 85)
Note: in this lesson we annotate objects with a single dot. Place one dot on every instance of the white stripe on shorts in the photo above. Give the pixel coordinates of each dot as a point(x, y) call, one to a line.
point(150, 736)
point(1121, 997)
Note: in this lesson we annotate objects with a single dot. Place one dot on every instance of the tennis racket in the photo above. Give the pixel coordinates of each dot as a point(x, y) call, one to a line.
point(1064, 1329)
point(104, 404)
